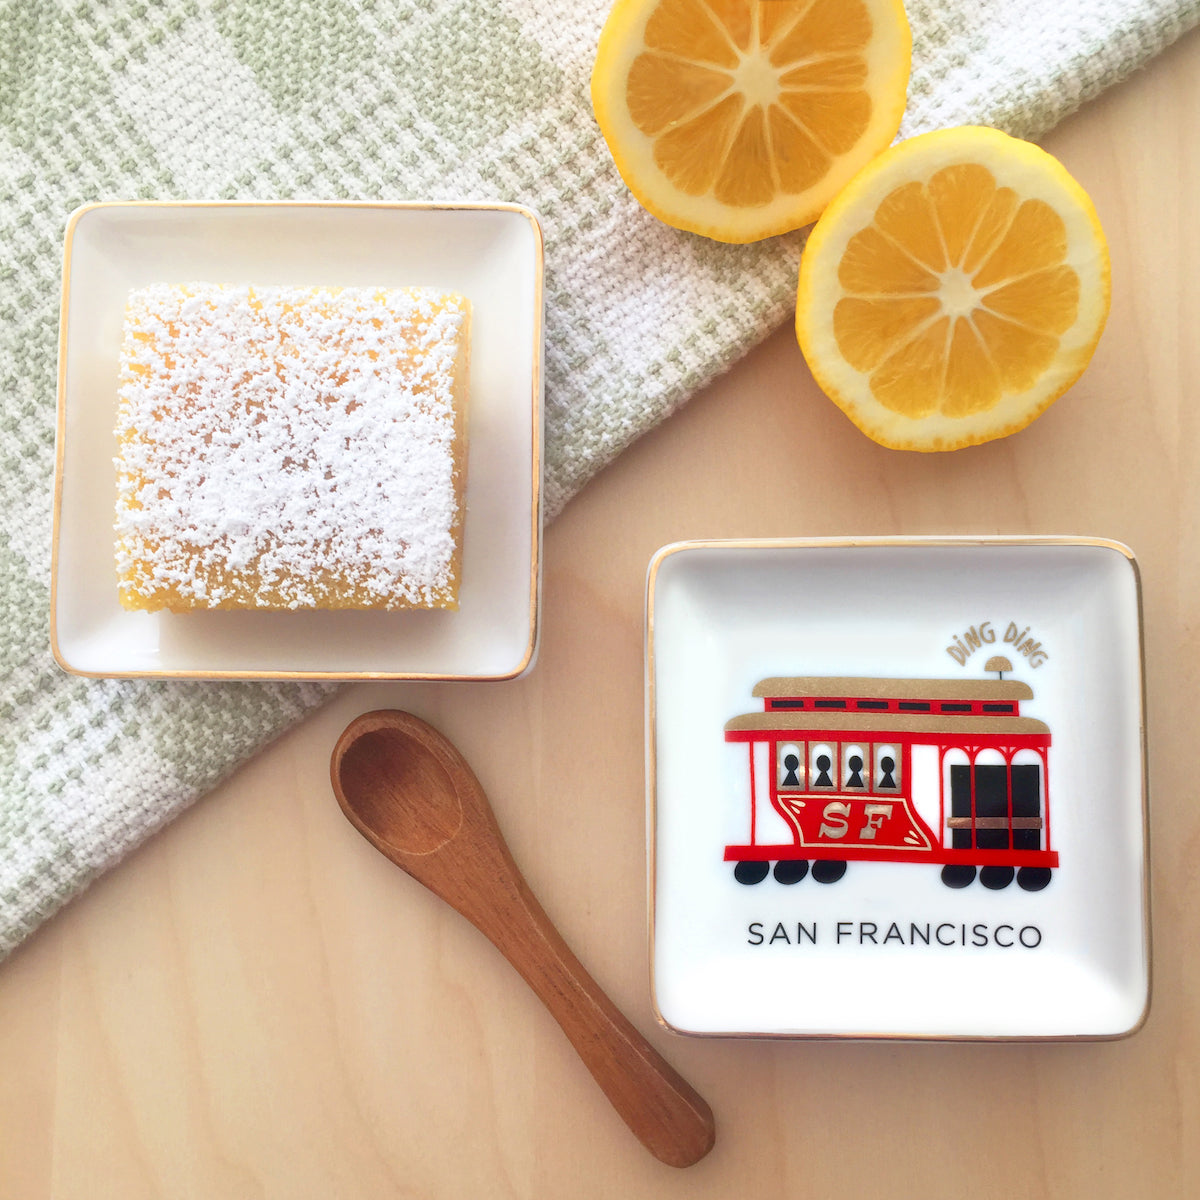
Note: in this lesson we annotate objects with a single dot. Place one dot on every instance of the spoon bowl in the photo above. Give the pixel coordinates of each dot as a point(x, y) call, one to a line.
point(410, 793)
point(380, 770)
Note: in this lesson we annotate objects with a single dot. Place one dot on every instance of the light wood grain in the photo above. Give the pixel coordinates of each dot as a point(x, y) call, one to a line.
point(257, 1004)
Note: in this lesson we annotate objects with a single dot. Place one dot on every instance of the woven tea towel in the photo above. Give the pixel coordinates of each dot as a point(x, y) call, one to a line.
point(380, 99)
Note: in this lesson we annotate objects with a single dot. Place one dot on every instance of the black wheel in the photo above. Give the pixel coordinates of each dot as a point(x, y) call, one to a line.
point(958, 875)
point(790, 870)
point(828, 870)
point(1033, 879)
point(751, 872)
point(996, 877)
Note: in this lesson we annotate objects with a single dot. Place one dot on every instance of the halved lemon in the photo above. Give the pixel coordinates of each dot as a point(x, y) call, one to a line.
point(954, 290)
point(739, 119)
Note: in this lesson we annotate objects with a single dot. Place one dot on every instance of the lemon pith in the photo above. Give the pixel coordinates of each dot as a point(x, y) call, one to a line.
point(954, 289)
point(739, 119)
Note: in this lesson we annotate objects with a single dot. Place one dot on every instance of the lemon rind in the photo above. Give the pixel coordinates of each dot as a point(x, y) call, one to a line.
point(1034, 174)
point(889, 58)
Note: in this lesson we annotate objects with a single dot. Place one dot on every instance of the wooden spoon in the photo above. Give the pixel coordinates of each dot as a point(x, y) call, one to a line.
point(410, 793)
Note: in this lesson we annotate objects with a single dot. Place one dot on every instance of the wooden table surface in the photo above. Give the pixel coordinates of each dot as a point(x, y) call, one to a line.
point(257, 1004)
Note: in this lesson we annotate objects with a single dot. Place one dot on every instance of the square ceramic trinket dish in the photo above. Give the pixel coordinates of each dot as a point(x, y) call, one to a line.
point(897, 789)
point(490, 253)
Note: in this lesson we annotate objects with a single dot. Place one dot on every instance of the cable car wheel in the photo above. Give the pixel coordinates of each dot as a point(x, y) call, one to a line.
point(828, 870)
point(958, 875)
point(751, 872)
point(790, 870)
point(996, 878)
point(1033, 879)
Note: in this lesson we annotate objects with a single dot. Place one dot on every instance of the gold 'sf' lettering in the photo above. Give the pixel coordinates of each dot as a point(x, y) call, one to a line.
point(836, 820)
point(876, 814)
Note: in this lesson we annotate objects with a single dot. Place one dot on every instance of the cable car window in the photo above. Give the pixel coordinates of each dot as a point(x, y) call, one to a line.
point(886, 775)
point(979, 809)
point(790, 765)
point(853, 764)
point(1026, 806)
point(821, 766)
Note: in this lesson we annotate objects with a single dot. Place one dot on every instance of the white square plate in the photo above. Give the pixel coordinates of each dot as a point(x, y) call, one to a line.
point(491, 253)
point(897, 788)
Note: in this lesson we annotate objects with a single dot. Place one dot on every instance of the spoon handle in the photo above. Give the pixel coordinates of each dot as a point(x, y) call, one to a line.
point(662, 1109)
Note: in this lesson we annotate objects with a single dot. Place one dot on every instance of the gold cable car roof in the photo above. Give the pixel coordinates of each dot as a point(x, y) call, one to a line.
point(951, 724)
point(785, 686)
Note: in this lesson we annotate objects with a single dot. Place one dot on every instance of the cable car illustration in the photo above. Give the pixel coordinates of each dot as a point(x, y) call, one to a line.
point(938, 771)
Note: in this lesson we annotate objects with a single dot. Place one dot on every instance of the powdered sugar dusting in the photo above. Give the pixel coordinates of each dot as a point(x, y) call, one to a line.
point(289, 447)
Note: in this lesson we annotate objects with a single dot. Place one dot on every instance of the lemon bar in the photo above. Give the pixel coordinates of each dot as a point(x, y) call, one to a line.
point(291, 447)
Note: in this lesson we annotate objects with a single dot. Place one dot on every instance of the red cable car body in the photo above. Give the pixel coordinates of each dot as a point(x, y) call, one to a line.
point(944, 772)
